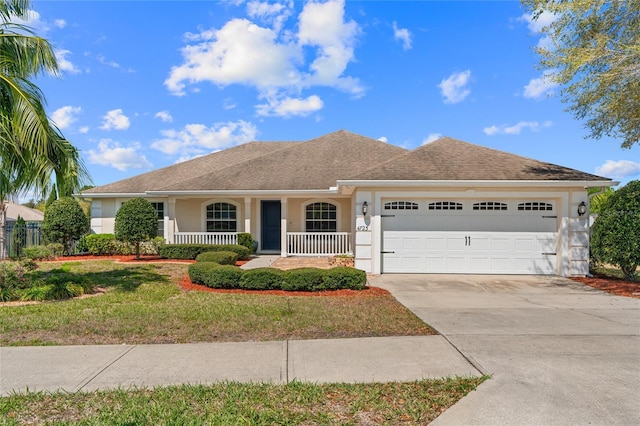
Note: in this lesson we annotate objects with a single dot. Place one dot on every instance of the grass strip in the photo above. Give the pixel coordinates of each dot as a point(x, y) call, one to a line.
point(232, 403)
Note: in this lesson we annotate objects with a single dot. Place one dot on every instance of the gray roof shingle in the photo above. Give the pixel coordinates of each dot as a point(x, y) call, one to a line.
point(452, 159)
point(320, 162)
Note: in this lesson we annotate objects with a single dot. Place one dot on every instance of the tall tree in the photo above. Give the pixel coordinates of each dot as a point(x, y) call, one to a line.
point(594, 54)
point(33, 151)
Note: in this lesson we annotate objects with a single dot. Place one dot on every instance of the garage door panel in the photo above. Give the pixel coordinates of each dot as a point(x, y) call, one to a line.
point(438, 243)
point(500, 244)
point(449, 252)
point(470, 241)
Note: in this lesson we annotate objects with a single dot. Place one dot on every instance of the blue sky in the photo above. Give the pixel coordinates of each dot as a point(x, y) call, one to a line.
point(145, 84)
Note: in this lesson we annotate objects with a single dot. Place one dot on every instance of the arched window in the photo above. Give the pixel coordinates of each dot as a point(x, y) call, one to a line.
point(321, 217)
point(221, 217)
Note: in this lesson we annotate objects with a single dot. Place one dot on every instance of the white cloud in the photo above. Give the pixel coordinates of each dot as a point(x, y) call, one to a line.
point(65, 116)
point(274, 14)
point(269, 59)
point(288, 107)
point(113, 64)
point(323, 25)
point(402, 34)
point(619, 169)
point(536, 26)
point(454, 88)
point(432, 137)
point(198, 138)
point(110, 153)
point(115, 119)
point(83, 129)
point(539, 88)
point(516, 129)
point(35, 21)
point(64, 64)
point(240, 52)
point(165, 116)
point(383, 139)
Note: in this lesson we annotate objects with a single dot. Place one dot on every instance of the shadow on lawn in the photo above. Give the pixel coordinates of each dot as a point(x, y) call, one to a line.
point(128, 279)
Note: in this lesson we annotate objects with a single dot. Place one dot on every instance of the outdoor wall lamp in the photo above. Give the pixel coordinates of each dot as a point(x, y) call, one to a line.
point(582, 208)
point(365, 208)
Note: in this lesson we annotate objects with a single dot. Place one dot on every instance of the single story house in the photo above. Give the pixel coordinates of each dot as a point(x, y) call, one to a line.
point(446, 207)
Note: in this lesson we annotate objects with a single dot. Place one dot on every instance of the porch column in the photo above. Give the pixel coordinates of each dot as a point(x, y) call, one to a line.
point(169, 220)
point(283, 227)
point(247, 215)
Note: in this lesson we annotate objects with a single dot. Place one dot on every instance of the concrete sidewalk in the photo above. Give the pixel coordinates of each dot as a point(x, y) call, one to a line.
point(87, 368)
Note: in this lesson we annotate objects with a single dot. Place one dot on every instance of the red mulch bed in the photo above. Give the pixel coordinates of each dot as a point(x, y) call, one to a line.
point(612, 285)
point(130, 259)
point(187, 285)
point(121, 258)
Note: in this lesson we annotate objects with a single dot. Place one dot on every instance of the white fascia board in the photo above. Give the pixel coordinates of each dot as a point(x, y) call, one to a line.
point(313, 192)
point(477, 183)
point(113, 195)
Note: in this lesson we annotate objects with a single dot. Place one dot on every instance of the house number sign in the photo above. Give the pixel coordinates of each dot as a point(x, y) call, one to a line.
point(363, 228)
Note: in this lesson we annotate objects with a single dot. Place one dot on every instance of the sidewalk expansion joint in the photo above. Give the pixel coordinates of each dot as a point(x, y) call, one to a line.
point(469, 360)
point(102, 370)
point(286, 362)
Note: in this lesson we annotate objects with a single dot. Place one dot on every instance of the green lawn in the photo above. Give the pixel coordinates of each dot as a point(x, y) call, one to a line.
point(144, 304)
point(414, 403)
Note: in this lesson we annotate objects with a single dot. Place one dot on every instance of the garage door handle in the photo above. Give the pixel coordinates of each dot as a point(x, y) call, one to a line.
point(467, 241)
point(549, 254)
point(387, 252)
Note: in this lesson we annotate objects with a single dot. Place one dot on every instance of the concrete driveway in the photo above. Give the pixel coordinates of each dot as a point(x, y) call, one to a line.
point(560, 353)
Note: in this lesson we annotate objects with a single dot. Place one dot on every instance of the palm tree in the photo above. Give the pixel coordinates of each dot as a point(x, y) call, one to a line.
point(33, 151)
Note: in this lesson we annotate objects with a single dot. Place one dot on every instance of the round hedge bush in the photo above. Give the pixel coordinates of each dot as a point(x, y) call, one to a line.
point(221, 257)
point(262, 279)
point(303, 279)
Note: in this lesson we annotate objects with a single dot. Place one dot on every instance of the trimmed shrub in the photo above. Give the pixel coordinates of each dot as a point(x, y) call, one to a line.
point(64, 221)
point(215, 275)
point(100, 244)
point(198, 271)
point(245, 239)
point(39, 252)
point(344, 277)
point(262, 279)
point(56, 249)
point(303, 279)
point(106, 245)
point(191, 251)
point(136, 221)
point(221, 257)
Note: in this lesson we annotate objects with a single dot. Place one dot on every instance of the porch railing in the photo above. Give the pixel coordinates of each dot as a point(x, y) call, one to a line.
point(205, 238)
point(318, 243)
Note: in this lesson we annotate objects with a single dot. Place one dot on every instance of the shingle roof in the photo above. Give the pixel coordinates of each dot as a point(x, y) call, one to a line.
point(315, 164)
point(452, 159)
point(159, 179)
point(320, 162)
point(28, 214)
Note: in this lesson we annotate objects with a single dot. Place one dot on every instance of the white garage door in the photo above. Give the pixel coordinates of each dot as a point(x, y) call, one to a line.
point(477, 236)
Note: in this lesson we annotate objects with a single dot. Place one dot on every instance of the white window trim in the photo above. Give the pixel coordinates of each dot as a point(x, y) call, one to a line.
point(303, 211)
point(203, 213)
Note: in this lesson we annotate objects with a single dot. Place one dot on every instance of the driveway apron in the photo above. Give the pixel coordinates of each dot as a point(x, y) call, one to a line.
point(559, 352)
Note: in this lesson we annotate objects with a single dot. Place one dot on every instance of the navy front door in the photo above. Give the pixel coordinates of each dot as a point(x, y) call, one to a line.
point(271, 225)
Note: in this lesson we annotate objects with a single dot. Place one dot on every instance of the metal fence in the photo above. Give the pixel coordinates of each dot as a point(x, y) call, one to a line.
point(32, 237)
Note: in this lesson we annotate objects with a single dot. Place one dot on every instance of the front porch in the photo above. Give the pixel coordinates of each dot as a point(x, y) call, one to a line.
point(296, 243)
